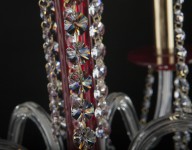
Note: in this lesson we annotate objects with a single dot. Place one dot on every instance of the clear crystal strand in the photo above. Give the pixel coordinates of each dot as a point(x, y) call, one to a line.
point(148, 92)
point(96, 32)
point(182, 102)
point(49, 28)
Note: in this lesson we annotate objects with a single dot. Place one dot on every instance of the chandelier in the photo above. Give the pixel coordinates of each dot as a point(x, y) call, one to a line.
point(81, 107)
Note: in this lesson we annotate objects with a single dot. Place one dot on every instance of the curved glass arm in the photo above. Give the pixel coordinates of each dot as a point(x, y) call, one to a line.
point(37, 114)
point(6, 145)
point(122, 103)
point(149, 135)
point(164, 97)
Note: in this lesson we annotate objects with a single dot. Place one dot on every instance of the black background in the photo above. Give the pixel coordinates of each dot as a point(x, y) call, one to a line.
point(129, 25)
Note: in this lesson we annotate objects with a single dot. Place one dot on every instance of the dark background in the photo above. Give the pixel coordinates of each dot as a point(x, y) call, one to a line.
point(129, 25)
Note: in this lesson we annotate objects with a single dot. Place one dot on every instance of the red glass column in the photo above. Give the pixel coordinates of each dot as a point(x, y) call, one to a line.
point(87, 67)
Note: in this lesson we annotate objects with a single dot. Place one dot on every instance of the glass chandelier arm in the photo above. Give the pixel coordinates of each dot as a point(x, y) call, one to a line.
point(37, 114)
point(164, 97)
point(122, 103)
point(148, 136)
point(4, 145)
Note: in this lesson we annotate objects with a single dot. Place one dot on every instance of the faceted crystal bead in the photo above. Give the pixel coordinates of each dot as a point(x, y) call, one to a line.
point(97, 29)
point(179, 17)
point(180, 1)
point(180, 34)
point(79, 85)
point(101, 111)
point(43, 3)
point(96, 8)
point(177, 136)
point(177, 94)
point(98, 51)
point(51, 86)
point(81, 109)
point(73, 1)
point(70, 39)
point(84, 138)
point(90, 138)
point(50, 67)
point(103, 129)
point(99, 70)
point(150, 79)
point(101, 90)
point(181, 52)
point(74, 82)
point(148, 92)
point(75, 23)
point(79, 124)
point(185, 101)
point(57, 67)
point(182, 84)
point(46, 26)
point(72, 55)
point(86, 84)
point(182, 69)
point(146, 104)
point(56, 47)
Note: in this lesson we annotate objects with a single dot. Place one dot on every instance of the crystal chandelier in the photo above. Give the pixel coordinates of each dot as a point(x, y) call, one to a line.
point(81, 108)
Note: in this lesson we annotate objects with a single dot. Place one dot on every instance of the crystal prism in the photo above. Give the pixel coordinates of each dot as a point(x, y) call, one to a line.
point(81, 109)
point(75, 23)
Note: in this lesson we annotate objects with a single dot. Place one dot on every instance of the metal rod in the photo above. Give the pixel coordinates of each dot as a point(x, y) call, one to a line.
point(164, 31)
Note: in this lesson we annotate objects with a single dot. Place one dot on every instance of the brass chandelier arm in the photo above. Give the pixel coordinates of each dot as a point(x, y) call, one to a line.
point(37, 114)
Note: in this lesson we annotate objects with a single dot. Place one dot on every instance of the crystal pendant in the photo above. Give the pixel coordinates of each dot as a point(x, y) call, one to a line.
point(97, 29)
point(81, 109)
point(96, 8)
point(98, 51)
point(75, 23)
point(84, 138)
point(103, 129)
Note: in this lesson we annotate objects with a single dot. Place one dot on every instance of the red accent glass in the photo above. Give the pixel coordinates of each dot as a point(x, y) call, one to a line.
point(147, 56)
point(87, 67)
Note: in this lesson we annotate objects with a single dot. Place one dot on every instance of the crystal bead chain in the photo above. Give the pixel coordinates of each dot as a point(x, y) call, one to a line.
point(49, 28)
point(147, 96)
point(80, 82)
point(182, 101)
point(96, 32)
